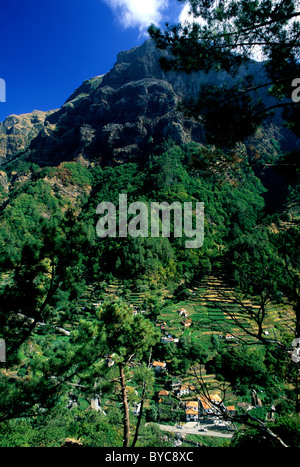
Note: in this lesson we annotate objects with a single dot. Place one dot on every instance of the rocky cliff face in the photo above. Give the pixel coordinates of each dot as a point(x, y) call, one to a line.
point(115, 117)
point(118, 116)
point(17, 132)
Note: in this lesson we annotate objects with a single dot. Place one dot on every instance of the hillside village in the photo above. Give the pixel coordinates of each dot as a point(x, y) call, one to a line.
point(188, 403)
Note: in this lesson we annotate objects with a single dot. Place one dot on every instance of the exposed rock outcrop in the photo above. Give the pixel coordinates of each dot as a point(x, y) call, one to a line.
point(117, 116)
point(17, 132)
point(4, 182)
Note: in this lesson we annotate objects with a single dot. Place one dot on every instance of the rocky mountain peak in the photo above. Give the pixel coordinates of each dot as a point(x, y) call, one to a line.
point(119, 116)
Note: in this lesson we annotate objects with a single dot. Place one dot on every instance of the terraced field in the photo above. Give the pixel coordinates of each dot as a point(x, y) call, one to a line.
point(214, 309)
point(213, 312)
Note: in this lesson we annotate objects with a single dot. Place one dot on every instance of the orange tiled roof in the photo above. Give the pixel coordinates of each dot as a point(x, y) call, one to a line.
point(192, 404)
point(230, 407)
point(191, 412)
point(205, 404)
point(163, 393)
point(215, 398)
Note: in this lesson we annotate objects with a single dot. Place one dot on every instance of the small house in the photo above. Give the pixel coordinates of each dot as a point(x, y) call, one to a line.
point(183, 312)
point(175, 384)
point(192, 411)
point(166, 340)
point(187, 323)
point(159, 366)
point(183, 390)
point(191, 415)
point(210, 405)
point(163, 393)
point(229, 337)
point(231, 410)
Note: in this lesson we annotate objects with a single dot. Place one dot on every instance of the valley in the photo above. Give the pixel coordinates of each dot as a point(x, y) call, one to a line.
point(137, 340)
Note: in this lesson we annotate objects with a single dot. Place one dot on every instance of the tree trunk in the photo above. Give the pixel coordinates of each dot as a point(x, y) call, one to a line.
point(125, 407)
point(139, 417)
point(297, 390)
point(297, 336)
point(297, 313)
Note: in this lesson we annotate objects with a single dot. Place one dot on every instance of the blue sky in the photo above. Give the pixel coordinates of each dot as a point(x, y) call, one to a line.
point(48, 48)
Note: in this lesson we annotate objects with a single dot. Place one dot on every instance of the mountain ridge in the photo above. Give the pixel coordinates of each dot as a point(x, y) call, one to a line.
point(122, 115)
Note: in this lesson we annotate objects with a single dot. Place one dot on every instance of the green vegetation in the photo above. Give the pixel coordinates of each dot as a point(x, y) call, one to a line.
point(84, 319)
point(54, 269)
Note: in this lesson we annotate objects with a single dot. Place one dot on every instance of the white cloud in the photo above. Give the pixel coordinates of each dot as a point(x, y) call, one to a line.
point(186, 17)
point(138, 13)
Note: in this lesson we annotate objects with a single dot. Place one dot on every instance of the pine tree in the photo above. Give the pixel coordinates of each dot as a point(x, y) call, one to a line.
point(223, 35)
point(128, 337)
